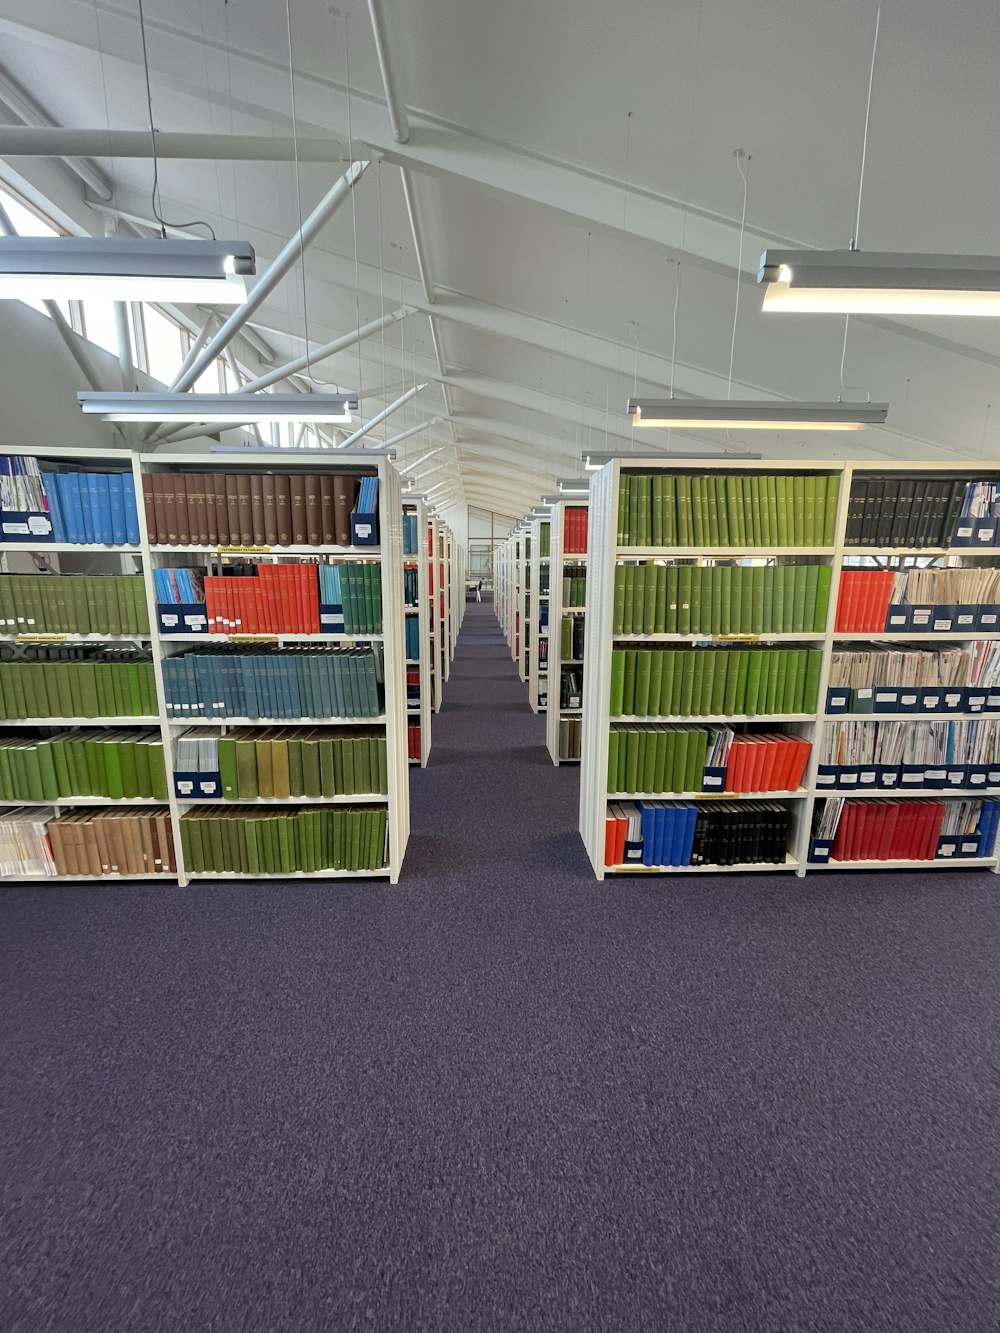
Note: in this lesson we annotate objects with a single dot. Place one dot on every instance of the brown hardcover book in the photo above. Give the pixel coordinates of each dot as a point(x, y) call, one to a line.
point(100, 837)
point(170, 487)
point(198, 508)
point(297, 487)
point(343, 498)
point(136, 851)
point(89, 836)
point(257, 509)
point(244, 508)
point(184, 506)
point(328, 512)
point(149, 504)
point(270, 516)
point(159, 532)
point(55, 832)
point(314, 515)
point(229, 481)
point(211, 509)
point(283, 510)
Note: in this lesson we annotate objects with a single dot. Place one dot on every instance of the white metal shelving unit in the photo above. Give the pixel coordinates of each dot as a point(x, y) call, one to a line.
point(424, 663)
point(560, 562)
point(604, 554)
point(538, 638)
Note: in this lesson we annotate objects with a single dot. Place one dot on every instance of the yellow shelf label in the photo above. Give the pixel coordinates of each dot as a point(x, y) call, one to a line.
point(40, 638)
point(243, 550)
point(253, 638)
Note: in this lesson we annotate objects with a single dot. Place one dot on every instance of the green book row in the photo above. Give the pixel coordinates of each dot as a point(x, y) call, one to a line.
point(682, 509)
point(655, 759)
point(275, 842)
point(544, 541)
point(575, 590)
point(73, 604)
point(658, 598)
point(714, 682)
point(284, 762)
point(120, 765)
point(91, 688)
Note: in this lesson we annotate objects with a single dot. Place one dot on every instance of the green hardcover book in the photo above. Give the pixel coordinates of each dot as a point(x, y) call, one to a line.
point(669, 509)
point(676, 683)
point(46, 773)
point(157, 771)
point(649, 598)
point(631, 739)
point(751, 516)
point(670, 609)
point(734, 495)
point(688, 671)
point(95, 768)
point(362, 767)
point(810, 682)
point(707, 665)
point(381, 767)
point(311, 778)
point(771, 681)
point(628, 682)
point(617, 681)
point(811, 591)
point(767, 596)
point(655, 682)
point(685, 524)
point(720, 676)
point(623, 534)
point(660, 600)
point(60, 766)
point(797, 665)
point(619, 609)
point(684, 583)
point(830, 510)
point(724, 580)
point(566, 637)
point(665, 703)
point(265, 781)
point(698, 758)
point(824, 578)
point(656, 536)
point(798, 616)
point(751, 700)
point(634, 507)
point(128, 767)
point(295, 787)
point(612, 759)
point(647, 761)
point(757, 574)
point(665, 759)
point(743, 575)
point(229, 769)
point(780, 606)
point(799, 508)
point(679, 760)
point(642, 669)
point(279, 768)
point(809, 537)
point(699, 515)
point(639, 599)
point(781, 511)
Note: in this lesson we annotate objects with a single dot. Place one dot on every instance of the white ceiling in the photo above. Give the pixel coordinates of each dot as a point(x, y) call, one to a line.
point(562, 156)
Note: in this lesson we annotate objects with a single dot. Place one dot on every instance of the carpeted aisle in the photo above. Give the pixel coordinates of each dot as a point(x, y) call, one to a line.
point(501, 1096)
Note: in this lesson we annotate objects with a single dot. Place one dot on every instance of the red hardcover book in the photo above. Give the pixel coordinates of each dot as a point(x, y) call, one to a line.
point(734, 764)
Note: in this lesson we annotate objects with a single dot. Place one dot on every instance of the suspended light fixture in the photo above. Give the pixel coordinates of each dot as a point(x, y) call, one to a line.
point(851, 282)
point(729, 414)
point(220, 408)
point(573, 485)
point(75, 268)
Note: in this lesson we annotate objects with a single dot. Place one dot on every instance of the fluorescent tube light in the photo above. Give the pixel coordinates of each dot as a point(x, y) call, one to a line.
point(75, 268)
point(726, 414)
point(855, 283)
point(220, 408)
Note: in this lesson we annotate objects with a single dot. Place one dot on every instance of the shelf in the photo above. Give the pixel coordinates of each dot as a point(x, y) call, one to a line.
point(905, 793)
point(570, 712)
point(92, 800)
point(727, 552)
point(369, 798)
point(956, 863)
point(55, 637)
point(96, 879)
point(276, 721)
point(931, 551)
point(790, 863)
point(910, 717)
point(289, 874)
point(124, 721)
point(238, 639)
point(658, 718)
point(87, 548)
point(906, 637)
point(799, 795)
point(766, 637)
point(263, 551)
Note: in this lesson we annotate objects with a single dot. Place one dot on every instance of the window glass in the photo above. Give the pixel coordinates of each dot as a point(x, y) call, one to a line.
point(164, 345)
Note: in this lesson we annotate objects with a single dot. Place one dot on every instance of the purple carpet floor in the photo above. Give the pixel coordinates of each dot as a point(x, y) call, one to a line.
point(502, 1096)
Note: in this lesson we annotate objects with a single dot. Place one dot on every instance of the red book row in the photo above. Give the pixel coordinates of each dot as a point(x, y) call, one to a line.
point(280, 599)
point(575, 531)
point(863, 601)
point(766, 763)
point(888, 831)
point(413, 740)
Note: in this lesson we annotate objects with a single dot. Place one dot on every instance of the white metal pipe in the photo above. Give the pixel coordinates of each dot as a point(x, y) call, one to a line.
point(386, 412)
point(423, 267)
point(21, 103)
point(291, 251)
point(413, 430)
point(33, 140)
point(394, 103)
point(403, 471)
point(124, 346)
point(327, 349)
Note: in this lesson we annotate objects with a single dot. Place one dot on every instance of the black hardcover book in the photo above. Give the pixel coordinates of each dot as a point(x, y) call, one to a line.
point(916, 513)
point(904, 507)
point(888, 509)
point(954, 508)
point(873, 507)
point(856, 513)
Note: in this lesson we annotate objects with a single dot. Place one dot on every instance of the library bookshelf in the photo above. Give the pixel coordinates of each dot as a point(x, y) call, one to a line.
point(538, 625)
point(416, 561)
point(175, 630)
point(860, 518)
point(567, 621)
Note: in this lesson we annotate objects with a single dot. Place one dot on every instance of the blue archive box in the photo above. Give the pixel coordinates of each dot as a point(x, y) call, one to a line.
point(713, 779)
point(182, 618)
point(197, 786)
point(24, 525)
point(819, 850)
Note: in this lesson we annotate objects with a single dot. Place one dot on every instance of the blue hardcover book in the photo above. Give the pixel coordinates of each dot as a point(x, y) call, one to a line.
point(72, 506)
point(131, 513)
point(50, 484)
point(659, 832)
point(647, 818)
point(692, 824)
point(116, 508)
point(90, 490)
